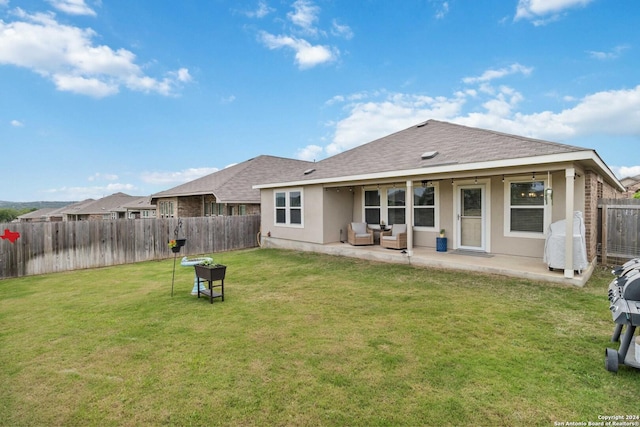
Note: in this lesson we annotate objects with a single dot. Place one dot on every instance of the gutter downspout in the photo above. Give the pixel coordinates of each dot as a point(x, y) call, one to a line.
point(570, 174)
point(409, 218)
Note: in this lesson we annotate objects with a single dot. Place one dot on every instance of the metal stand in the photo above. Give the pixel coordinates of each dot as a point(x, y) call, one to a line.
point(626, 355)
point(173, 277)
point(186, 262)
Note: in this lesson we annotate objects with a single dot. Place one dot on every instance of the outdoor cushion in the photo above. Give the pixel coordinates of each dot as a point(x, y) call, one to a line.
point(398, 228)
point(359, 228)
point(389, 237)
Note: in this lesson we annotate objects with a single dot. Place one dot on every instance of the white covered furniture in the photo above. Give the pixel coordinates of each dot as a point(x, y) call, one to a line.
point(359, 234)
point(396, 238)
point(554, 248)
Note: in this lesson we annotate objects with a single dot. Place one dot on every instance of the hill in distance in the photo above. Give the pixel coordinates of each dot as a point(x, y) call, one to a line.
point(32, 205)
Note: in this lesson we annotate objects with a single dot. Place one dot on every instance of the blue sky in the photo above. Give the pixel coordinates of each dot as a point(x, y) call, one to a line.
point(101, 96)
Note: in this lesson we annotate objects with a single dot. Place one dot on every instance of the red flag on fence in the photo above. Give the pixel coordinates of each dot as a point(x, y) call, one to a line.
point(10, 235)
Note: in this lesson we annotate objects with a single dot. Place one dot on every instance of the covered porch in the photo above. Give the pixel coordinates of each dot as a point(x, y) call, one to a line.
point(506, 265)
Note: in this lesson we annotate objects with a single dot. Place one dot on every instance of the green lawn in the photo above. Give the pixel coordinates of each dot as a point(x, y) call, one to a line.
point(305, 339)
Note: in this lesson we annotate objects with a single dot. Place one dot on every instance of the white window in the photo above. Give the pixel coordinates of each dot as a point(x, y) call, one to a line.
point(424, 205)
point(288, 207)
point(372, 206)
point(396, 200)
point(525, 208)
point(166, 210)
point(385, 204)
point(213, 209)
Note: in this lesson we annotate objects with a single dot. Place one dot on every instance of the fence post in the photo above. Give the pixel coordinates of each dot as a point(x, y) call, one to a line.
point(605, 221)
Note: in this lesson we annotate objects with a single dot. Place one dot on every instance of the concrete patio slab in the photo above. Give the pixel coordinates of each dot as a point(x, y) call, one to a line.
point(505, 265)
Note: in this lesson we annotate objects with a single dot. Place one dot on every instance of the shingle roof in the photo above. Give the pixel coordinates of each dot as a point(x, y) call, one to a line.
point(106, 204)
point(42, 213)
point(75, 207)
point(234, 184)
point(138, 203)
point(454, 144)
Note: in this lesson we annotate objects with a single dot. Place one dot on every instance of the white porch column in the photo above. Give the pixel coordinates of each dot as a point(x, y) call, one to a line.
point(570, 174)
point(409, 217)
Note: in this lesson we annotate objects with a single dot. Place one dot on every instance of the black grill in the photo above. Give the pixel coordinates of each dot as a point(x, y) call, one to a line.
point(624, 303)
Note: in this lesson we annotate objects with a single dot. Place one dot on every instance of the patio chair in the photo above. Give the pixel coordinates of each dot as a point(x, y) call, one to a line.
point(396, 238)
point(358, 233)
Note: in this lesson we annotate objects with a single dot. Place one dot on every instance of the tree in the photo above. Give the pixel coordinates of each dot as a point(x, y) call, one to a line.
point(8, 215)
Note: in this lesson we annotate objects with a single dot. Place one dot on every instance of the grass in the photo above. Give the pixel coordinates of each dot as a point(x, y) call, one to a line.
point(305, 339)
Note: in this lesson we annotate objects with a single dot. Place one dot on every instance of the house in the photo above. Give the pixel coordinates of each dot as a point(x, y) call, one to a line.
point(106, 208)
point(632, 185)
point(140, 208)
point(40, 215)
point(226, 192)
point(54, 214)
point(492, 192)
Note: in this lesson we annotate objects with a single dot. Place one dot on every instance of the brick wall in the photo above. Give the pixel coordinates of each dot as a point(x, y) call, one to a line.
point(591, 196)
point(190, 206)
point(595, 189)
point(194, 206)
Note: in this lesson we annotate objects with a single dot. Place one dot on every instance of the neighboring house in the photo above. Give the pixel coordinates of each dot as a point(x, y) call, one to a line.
point(140, 208)
point(492, 192)
point(69, 213)
point(106, 208)
point(54, 214)
point(632, 184)
point(40, 215)
point(226, 192)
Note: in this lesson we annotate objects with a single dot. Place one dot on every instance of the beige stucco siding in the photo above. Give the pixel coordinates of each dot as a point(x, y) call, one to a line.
point(328, 211)
point(337, 212)
point(311, 229)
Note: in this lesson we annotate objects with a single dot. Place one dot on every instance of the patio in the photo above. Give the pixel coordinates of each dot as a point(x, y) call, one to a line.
point(505, 265)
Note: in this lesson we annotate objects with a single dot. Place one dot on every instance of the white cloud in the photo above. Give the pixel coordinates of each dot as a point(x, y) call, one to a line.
point(369, 120)
point(489, 75)
point(93, 192)
point(310, 153)
point(541, 12)
point(17, 123)
point(72, 7)
point(340, 30)
point(260, 11)
point(306, 54)
point(68, 57)
point(178, 177)
point(504, 102)
point(603, 113)
point(86, 86)
point(612, 54)
point(304, 16)
point(228, 100)
point(103, 176)
point(625, 171)
point(371, 116)
point(442, 10)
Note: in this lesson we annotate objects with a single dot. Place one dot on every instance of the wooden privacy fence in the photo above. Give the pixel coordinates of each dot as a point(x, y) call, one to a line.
point(619, 230)
point(46, 247)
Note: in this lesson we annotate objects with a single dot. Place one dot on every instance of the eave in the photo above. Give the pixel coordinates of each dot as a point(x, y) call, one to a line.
point(467, 168)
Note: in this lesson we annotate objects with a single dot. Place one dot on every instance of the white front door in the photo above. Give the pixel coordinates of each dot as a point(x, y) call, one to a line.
point(471, 217)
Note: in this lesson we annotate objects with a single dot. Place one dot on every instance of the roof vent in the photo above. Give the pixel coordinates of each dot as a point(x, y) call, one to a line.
point(309, 171)
point(422, 124)
point(428, 155)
